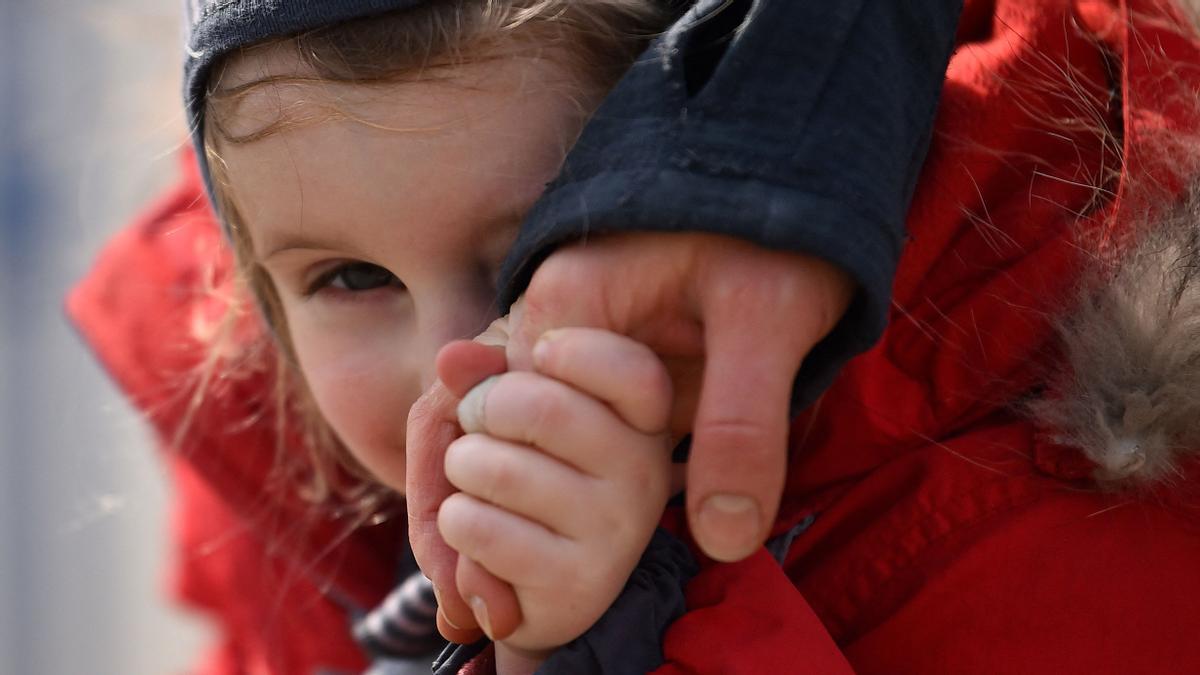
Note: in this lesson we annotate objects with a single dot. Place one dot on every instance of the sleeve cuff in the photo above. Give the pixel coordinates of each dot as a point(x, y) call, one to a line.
point(777, 217)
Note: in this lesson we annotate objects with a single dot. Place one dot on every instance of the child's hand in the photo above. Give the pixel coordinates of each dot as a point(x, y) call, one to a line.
point(564, 480)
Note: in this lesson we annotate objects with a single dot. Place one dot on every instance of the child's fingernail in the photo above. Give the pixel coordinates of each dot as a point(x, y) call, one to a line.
point(730, 527)
point(472, 415)
point(541, 349)
point(481, 614)
point(437, 596)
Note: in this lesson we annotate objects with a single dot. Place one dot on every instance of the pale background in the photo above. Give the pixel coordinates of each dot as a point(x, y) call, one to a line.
point(88, 126)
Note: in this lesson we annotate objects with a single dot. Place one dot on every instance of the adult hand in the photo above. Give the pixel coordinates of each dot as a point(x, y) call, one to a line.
point(745, 315)
point(749, 314)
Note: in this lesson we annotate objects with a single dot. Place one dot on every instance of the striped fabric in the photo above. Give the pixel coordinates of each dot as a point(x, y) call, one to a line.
point(404, 625)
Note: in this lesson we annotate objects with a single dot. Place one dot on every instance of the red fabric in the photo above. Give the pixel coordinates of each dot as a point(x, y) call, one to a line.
point(950, 537)
point(270, 568)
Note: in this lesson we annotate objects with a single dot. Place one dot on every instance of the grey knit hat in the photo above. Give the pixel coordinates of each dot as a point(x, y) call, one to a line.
point(218, 27)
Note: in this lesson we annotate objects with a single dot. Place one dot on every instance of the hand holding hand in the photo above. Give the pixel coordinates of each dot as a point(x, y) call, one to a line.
point(563, 481)
point(743, 316)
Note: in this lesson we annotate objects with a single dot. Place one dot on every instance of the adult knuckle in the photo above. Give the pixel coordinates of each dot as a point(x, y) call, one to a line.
point(560, 277)
point(430, 407)
point(745, 434)
point(420, 411)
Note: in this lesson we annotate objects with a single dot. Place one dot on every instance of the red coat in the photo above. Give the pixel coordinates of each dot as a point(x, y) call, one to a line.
point(950, 536)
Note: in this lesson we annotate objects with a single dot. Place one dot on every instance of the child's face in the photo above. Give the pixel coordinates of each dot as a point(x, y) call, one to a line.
point(383, 226)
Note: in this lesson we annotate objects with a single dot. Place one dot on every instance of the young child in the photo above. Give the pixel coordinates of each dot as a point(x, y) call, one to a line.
point(903, 551)
point(372, 221)
point(296, 130)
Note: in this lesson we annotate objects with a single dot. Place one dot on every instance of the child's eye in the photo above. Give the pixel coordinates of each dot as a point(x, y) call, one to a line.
point(356, 277)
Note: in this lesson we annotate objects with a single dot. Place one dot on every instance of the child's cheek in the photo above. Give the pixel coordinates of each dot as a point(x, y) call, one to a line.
point(366, 400)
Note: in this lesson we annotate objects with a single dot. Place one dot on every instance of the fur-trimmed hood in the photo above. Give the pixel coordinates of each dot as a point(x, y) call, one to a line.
point(1128, 391)
point(1050, 275)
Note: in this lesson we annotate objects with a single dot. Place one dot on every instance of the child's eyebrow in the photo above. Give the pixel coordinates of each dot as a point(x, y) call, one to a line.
point(275, 243)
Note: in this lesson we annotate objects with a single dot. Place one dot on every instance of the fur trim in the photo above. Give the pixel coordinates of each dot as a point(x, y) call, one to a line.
point(1129, 394)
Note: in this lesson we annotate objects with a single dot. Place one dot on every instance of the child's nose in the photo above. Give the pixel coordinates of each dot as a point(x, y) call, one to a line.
point(460, 318)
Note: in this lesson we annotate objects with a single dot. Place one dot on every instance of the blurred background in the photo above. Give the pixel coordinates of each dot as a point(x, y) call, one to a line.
point(89, 125)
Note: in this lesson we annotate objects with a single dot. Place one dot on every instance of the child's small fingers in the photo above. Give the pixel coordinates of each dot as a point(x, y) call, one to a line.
point(507, 545)
point(518, 479)
point(493, 601)
point(453, 632)
point(619, 370)
point(566, 423)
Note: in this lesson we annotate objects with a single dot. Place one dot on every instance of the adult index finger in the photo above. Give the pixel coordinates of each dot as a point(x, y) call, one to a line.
point(431, 429)
point(432, 426)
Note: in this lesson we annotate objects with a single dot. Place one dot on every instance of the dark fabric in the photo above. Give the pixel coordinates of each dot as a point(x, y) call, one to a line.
point(456, 657)
point(805, 131)
point(627, 639)
point(404, 625)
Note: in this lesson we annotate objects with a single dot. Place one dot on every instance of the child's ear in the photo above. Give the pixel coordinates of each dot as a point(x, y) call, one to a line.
point(462, 364)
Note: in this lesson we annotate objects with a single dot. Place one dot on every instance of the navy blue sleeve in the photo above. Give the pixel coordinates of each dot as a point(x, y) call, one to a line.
point(799, 125)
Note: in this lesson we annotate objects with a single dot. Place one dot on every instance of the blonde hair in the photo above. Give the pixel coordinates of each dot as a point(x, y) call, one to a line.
point(600, 38)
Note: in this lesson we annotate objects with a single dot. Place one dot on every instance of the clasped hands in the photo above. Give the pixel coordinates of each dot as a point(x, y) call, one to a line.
point(712, 329)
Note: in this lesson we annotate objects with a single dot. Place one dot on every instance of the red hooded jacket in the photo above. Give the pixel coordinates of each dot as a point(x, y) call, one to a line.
point(951, 535)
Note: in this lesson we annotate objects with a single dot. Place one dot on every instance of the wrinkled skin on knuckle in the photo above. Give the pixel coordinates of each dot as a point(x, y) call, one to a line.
point(422, 411)
point(561, 278)
point(567, 289)
point(743, 434)
point(759, 287)
point(783, 284)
